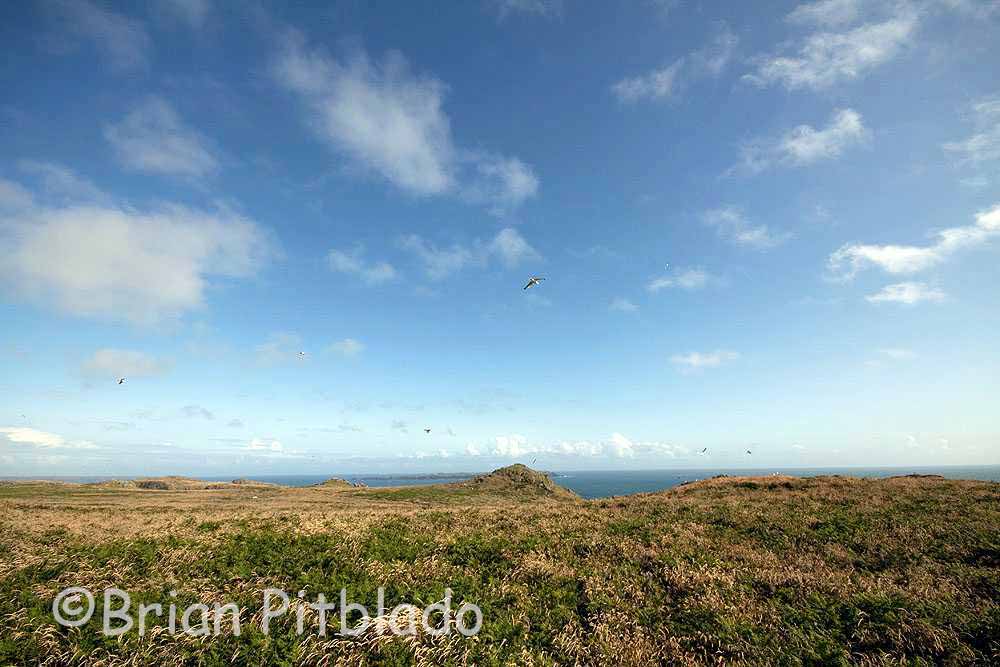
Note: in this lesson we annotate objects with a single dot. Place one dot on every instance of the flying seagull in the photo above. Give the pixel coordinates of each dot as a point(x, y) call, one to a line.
point(302, 354)
point(534, 280)
point(427, 430)
point(121, 380)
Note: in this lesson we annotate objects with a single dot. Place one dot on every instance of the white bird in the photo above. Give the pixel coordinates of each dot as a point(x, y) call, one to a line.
point(534, 280)
point(121, 380)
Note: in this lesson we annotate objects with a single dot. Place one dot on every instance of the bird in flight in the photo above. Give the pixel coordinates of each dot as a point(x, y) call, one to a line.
point(302, 355)
point(121, 380)
point(427, 430)
point(534, 280)
point(704, 450)
point(749, 452)
point(533, 461)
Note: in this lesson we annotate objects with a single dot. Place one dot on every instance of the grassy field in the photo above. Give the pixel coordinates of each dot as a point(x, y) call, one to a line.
point(773, 570)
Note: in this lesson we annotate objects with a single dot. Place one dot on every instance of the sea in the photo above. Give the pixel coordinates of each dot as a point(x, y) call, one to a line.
point(607, 483)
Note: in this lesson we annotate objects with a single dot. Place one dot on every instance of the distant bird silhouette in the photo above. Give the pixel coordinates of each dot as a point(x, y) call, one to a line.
point(534, 280)
point(749, 452)
point(704, 450)
point(302, 354)
point(427, 430)
point(533, 461)
point(121, 380)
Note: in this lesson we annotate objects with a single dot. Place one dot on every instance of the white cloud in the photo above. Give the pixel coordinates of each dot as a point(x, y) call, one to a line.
point(826, 58)
point(827, 13)
point(617, 446)
point(543, 8)
point(695, 361)
point(196, 411)
point(391, 121)
point(623, 447)
point(805, 145)
point(123, 41)
point(666, 82)
point(353, 263)
point(23, 435)
point(118, 262)
point(115, 363)
point(732, 224)
point(690, 279)
point(623, 305)
point(153, 138)
point(851, 258)
point(907, 293)
point(984, 144)
point(512, 446)
point(508, 247)
point(348, 347)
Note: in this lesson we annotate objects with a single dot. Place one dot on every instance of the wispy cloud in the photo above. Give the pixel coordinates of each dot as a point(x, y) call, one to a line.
point(281, 347)
point(826, 13)
point(666, 82)
point(114, 363)
point(352, 262)
point(690, 279)
point(825, 58)
point(623, 305)
point(731, 223)
point(348, 347)
point(123, 41)
point(508, 247)
point(23, 435)
point(657, 84)
point(984, 144)
point(542, 8)
point(391, 121)
point(907, 293)
point(194, 13)
point(153, 138)
point(696, 361)
point(848, 260)
point(805, 145)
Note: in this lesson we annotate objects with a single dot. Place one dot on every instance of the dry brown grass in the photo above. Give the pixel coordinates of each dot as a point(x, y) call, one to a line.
point(768, 570)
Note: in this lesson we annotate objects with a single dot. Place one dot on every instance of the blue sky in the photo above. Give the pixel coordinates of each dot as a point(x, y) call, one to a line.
point(769, 229)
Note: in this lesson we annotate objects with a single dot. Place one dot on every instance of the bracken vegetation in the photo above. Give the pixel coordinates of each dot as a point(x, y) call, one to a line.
point(774, 570)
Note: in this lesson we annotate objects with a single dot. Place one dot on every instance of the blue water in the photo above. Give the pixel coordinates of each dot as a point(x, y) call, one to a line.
point(604, 483)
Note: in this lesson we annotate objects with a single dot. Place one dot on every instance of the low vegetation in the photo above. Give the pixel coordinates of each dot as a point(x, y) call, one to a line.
point(749, 571)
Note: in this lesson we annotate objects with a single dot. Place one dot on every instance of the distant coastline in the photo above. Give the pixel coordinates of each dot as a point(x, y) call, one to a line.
point(587, 483)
